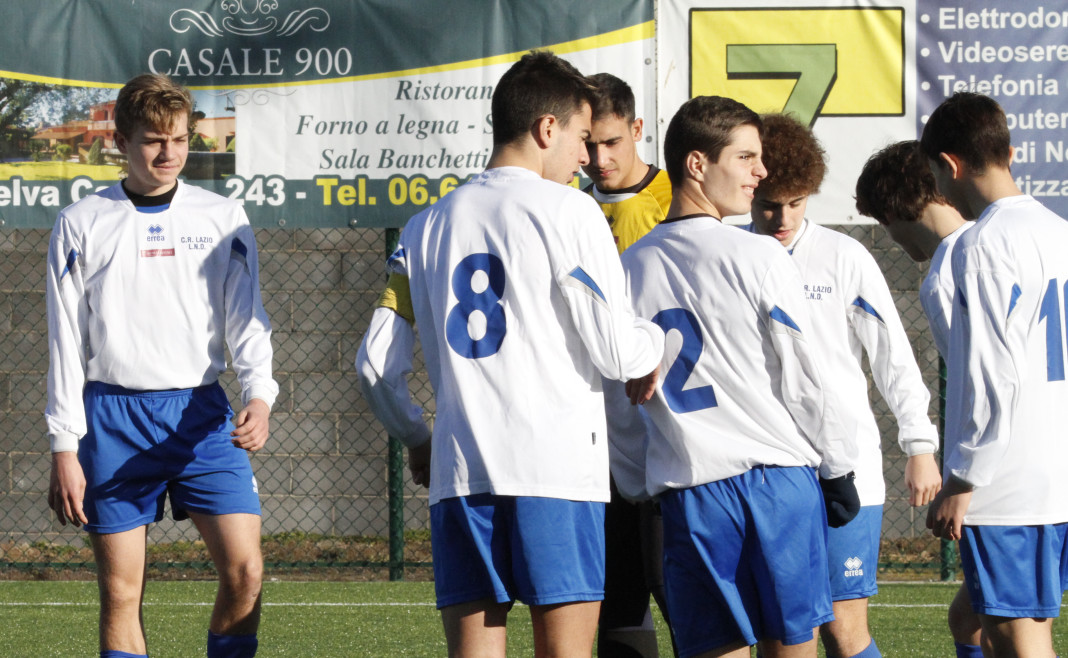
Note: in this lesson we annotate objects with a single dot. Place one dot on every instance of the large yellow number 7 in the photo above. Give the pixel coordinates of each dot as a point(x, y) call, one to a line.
point(813, 65)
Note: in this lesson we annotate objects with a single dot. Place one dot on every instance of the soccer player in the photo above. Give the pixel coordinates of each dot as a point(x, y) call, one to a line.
point(896, 188)
point(852, 312)
point(1005, 495)
point(634, 197)
point(741, 421)
point(147, 280)
point(518, 295)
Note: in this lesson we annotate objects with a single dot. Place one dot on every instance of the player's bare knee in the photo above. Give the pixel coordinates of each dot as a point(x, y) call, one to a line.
point(244, 579)
point(120, 596)
point(845, 637)
point(963, 623)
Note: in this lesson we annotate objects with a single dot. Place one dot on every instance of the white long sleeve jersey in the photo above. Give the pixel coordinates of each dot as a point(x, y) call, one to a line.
point(1007, 399)
point(146, 301)
point(519, 300)
point(937, 289)
point(740, 386)
point(853, 312)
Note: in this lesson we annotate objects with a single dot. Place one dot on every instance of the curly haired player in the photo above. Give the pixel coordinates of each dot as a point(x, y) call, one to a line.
point(852, 313)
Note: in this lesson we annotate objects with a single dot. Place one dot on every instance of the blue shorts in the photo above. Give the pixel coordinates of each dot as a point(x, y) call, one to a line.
point(745, 558)
point(144, 445)
point(540, 551)
point(853, 555)
point(1015, 571)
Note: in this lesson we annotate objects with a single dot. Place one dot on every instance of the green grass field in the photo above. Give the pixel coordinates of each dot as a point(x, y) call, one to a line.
point(326, 619)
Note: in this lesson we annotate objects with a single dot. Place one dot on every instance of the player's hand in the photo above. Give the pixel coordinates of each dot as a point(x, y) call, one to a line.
point(419, 464)
point(922, 479)
point(66, 488)
point(841, 499)
point(252, 426)
point(641, 390)
point(945, 516)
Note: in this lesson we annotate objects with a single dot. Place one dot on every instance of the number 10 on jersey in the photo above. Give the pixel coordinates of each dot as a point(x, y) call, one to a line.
point(1051, 313)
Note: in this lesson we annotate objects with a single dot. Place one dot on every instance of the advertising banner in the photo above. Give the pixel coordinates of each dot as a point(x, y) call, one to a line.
point(328, 113)
point(866, 74)
point(322, 113)
point(1017, 53)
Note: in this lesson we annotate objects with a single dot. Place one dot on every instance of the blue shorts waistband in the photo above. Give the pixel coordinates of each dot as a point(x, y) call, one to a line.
point(101, 388)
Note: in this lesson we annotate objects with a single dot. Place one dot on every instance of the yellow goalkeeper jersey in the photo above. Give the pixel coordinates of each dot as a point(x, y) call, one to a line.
point(632, 212)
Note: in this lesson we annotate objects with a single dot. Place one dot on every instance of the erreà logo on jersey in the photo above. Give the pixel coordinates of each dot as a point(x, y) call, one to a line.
point(213, 43)
point(155, 243)
point(854, 567)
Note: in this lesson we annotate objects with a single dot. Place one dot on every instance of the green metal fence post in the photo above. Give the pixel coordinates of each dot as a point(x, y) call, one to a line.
point(396, 475)
point(947, 554)
point(396, 509)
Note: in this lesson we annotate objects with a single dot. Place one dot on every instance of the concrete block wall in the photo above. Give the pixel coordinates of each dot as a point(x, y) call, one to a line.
point(324, 468)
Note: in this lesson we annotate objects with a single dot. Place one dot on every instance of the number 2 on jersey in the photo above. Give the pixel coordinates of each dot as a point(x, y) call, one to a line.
point(679, 400)
point(1051, 313)
point(486, 300)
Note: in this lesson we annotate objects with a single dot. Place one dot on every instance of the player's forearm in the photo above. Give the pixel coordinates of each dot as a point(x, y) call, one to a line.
point(248, 334)
point(621, 346)
point(383, 363)
point(894, 370)
point(253, 366)
point(252, 363)
point(66, 308)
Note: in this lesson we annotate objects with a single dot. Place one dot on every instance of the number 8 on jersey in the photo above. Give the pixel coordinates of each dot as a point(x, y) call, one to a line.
point(478, 283)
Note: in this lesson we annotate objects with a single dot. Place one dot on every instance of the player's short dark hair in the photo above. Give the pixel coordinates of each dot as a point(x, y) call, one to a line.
point(896, 184)
point(154, 101)
point(795, 161)
point(970, 126)
point(703, 124)
point(539, 84)
point(612, 97)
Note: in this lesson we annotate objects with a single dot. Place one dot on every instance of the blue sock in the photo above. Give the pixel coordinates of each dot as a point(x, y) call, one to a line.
point(871, 652)
point(112, 653)
point(968, 650)
point(232, 646)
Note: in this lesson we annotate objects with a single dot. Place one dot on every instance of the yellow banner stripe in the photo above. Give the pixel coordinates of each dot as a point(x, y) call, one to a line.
point(638, 32)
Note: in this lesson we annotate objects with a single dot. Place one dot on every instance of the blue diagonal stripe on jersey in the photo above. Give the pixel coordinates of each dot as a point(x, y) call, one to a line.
point(396, 255)
point(863, 304)
point(1016, 292)
point(962, 298)
point(237, 246)
point(579, 274)
point(72, 258)
point(781, 317)
point(239, 251)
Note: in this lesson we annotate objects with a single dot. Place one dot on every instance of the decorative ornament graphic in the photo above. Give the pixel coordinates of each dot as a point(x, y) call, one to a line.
point(250, 18)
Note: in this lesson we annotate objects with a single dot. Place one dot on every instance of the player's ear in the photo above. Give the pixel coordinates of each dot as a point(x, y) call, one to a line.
point(544, 129)
point(953, 163)
point(696, 162)
point(120, 142)
point(636, 129)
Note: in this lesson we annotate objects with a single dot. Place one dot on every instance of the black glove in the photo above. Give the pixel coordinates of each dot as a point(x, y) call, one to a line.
point(841, 499)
